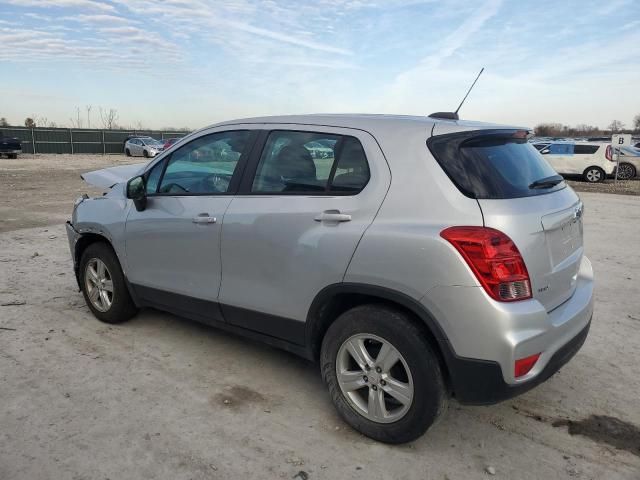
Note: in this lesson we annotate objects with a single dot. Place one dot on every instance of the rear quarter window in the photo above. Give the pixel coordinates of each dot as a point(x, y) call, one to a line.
point(492, 164)
point(585, 149)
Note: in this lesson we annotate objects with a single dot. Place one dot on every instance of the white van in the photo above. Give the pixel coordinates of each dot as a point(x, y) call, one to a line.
point(593, 161)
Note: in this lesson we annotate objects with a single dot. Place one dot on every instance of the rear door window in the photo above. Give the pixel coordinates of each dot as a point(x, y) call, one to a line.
point(492, 164)
point(561, 149)
point(303, 163)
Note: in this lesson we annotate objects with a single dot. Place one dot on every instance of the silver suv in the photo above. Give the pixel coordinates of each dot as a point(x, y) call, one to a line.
point(414, 258)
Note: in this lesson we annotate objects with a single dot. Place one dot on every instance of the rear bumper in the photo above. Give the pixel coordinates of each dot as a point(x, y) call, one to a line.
point(480, 382)
point(487, 337)
point(10, 151)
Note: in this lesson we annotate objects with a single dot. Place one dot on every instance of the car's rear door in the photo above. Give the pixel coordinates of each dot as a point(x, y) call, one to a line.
point(173, 246)
point(305, 201)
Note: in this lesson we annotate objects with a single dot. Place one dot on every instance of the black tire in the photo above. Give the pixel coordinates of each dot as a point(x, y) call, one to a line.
point(430, 395)
point(593, 175)
point(13, 156)
point(127, 152)
point(122, 307)
point(145, 154)
point(626, 171)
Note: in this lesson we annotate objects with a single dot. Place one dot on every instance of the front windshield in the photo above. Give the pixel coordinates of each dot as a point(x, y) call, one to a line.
point(151, 141)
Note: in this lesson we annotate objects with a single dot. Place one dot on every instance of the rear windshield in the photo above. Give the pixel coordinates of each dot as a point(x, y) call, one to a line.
point(492, 164)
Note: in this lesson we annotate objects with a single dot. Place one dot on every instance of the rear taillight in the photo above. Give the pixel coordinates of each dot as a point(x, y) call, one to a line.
point(609, 153)
point(494, 259)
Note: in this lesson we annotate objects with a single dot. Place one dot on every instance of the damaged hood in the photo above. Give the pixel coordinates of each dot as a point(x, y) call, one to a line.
point(108, 177)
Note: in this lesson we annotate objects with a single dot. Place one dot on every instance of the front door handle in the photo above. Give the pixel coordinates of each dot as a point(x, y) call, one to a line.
point(333, 216)
point(204, 218)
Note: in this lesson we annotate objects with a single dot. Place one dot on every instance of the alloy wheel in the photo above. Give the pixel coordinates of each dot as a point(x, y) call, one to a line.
point(626, 171)
point(374, 378)
point(98, 284)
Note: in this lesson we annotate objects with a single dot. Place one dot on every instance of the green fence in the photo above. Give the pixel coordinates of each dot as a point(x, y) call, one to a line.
point(71, 140)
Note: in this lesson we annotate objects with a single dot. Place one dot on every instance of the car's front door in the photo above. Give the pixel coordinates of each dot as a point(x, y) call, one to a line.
point(173, 246)
point(303, 205)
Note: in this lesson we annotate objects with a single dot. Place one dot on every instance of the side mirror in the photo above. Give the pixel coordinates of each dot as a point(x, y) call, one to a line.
point(136, 191)
point(545, 151)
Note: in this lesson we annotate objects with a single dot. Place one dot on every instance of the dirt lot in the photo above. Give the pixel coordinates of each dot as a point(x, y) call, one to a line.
point(161, 397)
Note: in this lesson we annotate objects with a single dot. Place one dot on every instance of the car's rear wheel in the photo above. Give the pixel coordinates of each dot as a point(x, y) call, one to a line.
point(626, 171)
point(103, 284)
point(383, 377)
point(127, 152)
point(593, 175)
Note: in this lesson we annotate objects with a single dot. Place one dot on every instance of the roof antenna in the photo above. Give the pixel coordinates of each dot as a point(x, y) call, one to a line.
point(454, 115)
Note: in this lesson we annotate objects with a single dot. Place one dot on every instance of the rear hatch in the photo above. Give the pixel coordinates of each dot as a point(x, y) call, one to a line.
point(522, 196)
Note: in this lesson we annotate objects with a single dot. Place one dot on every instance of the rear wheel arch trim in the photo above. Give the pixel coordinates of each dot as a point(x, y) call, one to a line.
point(317, 325)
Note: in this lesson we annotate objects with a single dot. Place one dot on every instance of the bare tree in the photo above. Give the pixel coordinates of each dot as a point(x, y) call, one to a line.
point(636, 123)
point(29, 122)
point(615, 126)
point(549, 129)
point(76, 122)
point(44, 121)
point(108, 118)
point(3, 122)
point(88, 109)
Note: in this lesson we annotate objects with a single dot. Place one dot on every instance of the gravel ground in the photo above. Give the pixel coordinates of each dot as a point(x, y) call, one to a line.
point(40, 189)
point(162, 397)
point(621, 187)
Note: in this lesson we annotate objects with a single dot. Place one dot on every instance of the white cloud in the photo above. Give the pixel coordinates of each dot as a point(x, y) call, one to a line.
point(611, 6)
point(459, 37)
point(98, 19)
point(81, 4)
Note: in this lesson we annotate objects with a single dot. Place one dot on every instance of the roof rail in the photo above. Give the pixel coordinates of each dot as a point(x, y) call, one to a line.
point(445, 115)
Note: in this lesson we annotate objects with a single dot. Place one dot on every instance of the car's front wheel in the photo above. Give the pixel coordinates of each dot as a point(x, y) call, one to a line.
point(127, 152)
point(103, 284)
point(382, 375)
point(145, 153)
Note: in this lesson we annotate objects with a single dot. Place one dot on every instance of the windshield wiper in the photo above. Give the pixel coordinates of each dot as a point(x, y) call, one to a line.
point(547, 182)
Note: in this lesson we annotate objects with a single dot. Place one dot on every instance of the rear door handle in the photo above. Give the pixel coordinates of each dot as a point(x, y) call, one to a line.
point(204, 218)
point(333, 216)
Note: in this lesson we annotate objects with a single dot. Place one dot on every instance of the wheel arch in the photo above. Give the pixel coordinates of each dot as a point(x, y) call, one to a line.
point(336, 299)
point(89, 238)
point(83, 243)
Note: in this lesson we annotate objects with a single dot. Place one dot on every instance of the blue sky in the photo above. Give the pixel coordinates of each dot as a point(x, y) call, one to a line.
point(194, 62)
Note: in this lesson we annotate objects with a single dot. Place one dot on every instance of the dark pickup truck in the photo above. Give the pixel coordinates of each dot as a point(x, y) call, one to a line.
point(10, 147)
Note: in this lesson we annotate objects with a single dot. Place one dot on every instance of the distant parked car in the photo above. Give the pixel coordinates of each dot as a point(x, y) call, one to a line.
point(143, 147)
point(592, 161)
point(168, 142)
point(11, 147)
point(629, 165)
